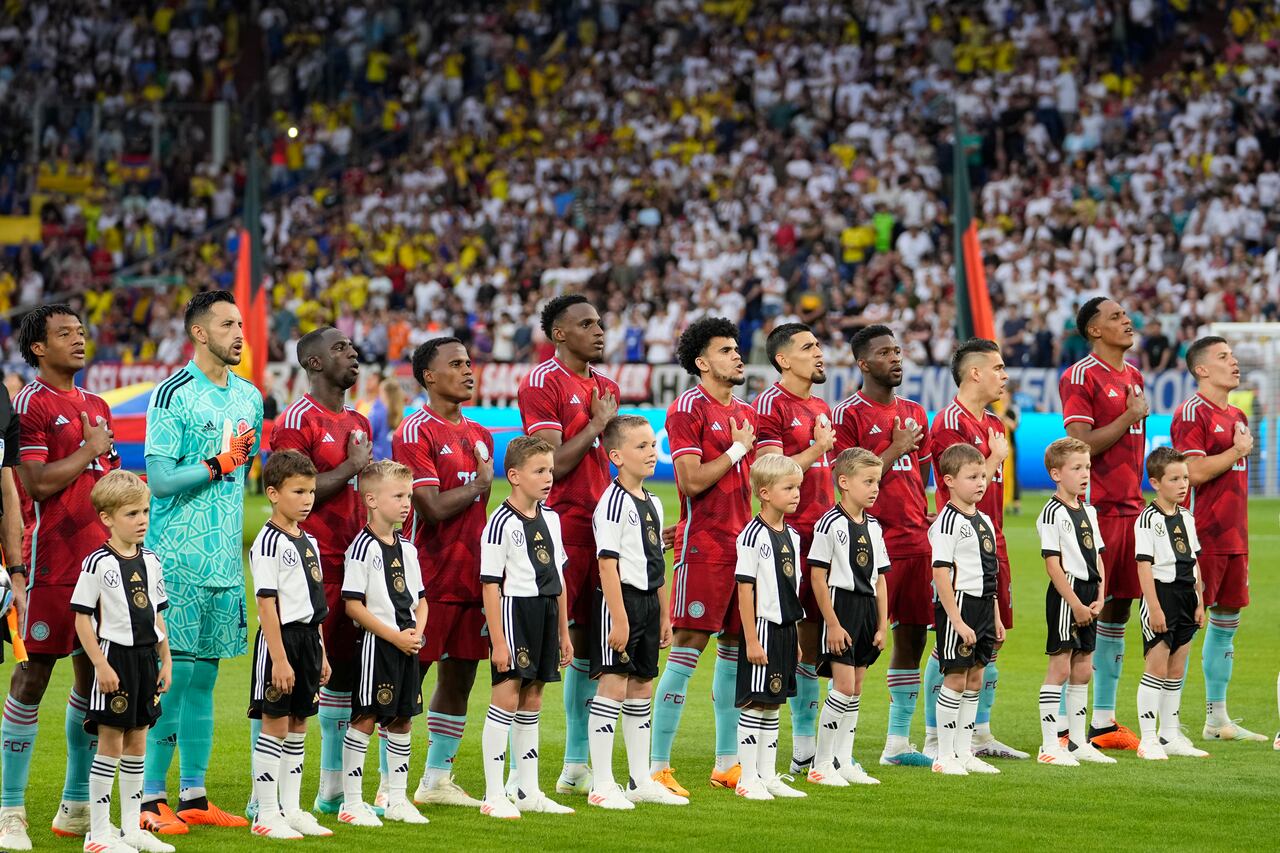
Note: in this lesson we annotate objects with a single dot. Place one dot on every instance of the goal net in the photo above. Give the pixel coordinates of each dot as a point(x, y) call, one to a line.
point(1257, 348)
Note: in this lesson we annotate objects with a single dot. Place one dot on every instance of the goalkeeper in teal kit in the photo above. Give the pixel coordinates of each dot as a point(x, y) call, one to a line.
point(202, 432)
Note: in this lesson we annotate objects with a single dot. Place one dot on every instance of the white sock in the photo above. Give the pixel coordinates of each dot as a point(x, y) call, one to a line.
point(1170, 705)
point(751, 730)
point(724, 763)
point(964, 732)
point(602, 721)
point(803, 748)
point(948, 717)
point(497, 727)
point(1050, 699)
point(524, 740)
point(848, 731)
point(830, 722)
point(398, 747)
point(355, 744)
point(767, 756)
point(295, 750)
point(635, 736)
point(102, 776)
point(330, 784)
point(1150, 694)
point(131, 767)
point(195, 792)
point(432, 775)
point(1102, 719)
point(1077, 716)
point(266, 774)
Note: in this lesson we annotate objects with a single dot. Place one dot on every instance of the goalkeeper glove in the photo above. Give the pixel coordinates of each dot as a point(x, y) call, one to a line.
point(228, 461)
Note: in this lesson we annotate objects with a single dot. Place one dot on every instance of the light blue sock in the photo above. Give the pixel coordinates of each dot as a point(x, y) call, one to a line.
point(335, 713)
point(904, 690)
point(382, 752)
point(932, 685)
point(669, 700)
point(255, 729)
point(81, 747)
point(1108, 661)
point(987, 696)
point(195, 729)
point(804, 705)
point(1218, 656)
point(445, 736)
point(579, 690)
point(724, 695)
point(162, 740)
point(18, 734)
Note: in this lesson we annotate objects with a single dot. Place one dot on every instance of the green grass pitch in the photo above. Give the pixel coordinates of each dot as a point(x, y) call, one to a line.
point(1182, 803)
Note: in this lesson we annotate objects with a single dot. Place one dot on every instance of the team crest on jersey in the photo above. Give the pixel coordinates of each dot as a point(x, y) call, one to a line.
point(841, 537)
point(517, 536)
point(1180, 546)
point(987, 545)
point(140, 600)
point(385, 695)
point(289, 557)
point(653, 536)
point(623, 657)
point(775, 684)
point(788, 569)
point(633, 519)
point(397, 583)
point(40, 631)
point(119, 704)
point(964, 650)
point(696, 610)
point(111, 579)
point(542, 555)
point(1088, 541)
point(522, 658)
point(242, 426)
point(273, 693)
point(315, 572)
point(863, 559)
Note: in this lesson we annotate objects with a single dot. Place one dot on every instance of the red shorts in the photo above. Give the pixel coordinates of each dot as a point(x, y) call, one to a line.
point(50, 628)
point(910, 586)
point(339, 630)
point(581, 577)
point(454, 630)
point(704, 597)
point(1004, 595)
point(1226, 580)
point(807, 601)
point(1119, 559)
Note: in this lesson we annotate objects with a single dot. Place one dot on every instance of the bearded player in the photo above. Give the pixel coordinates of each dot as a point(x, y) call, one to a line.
point(203, 424)
point(567, 403)
point(451, 457)
point(336, 438)
point(1104, 405)
point(712, 435)
point(894, 428)
point(1215, 437)
point(792, 421)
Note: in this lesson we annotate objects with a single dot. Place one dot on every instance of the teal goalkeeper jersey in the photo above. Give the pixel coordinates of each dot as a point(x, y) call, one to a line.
point(197, 525)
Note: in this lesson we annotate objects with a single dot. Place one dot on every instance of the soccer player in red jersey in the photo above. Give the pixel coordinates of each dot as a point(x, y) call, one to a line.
point(66, 447)
point(895, 429)
point(1214, 435)
point(711, 434)
point(978, 370)
point(792, 421)
point(1103, 405)
point(336, 438)
point(451, 457)
point(567, 403)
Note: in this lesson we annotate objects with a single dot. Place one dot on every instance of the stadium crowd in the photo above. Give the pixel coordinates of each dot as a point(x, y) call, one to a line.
point(755, 159)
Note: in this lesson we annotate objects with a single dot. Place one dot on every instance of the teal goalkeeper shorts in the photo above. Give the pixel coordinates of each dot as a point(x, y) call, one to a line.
point(206, 621)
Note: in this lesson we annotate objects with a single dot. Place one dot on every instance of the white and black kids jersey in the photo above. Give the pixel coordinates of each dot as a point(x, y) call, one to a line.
point(525, 556)
point(1168, 542)
point(1071, 535)
point(629, 529)
point(287, 568)
point(965, 544)
point(770, 560)
point(385, 577)
point(123, 594)
point(852, 552)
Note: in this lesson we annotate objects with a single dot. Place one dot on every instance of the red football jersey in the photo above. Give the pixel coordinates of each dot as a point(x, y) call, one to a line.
point(697, 425)
point(1094, 393)
point(862, 422)
point(441, 453)
point(60, 531)
point(956, 425)
point(552, 396)
point(786, 422)
point(321, 435)
point(1221, 506)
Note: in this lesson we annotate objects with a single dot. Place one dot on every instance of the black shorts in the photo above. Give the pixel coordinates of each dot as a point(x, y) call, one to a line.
point(979, 614)
point(136, 704)
point(1178, 601)
point(775, 682)
point(532, 628)
point(1064, 634)
point(859, 616)
point(644, 618)
point(387, 685)
point(303, 651)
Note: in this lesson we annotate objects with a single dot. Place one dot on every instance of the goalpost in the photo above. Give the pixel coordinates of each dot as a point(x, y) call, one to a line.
point(1257, 348)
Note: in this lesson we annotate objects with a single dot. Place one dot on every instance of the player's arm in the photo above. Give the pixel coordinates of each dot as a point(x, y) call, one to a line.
point(491, 593)
point(943, 548)
point(420, 618)
point(693, 475)
point(745, 575)
point(904, 439)
point(166, 475)
point(11, 521)
point(568, 453)
point(435, 506)
point(882, 612)
point(1189, 437)
point(611, 586)
point(1051, 551)
point(1194, 541)
point(165, 676)
point(566, 642)
point(359, 454)
point(1077, 417)
point(84, 601)
point(282, 675)
point(43, 478)
point(838, 638)
point(1144, 543)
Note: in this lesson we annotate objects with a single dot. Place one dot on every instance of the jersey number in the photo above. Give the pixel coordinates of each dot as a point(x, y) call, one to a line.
point(903, 463)
point(466, 476)
point(1136, 429)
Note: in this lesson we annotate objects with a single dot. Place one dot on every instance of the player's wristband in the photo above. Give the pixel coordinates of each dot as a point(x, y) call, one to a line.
point(736, 451)
point(18, 569)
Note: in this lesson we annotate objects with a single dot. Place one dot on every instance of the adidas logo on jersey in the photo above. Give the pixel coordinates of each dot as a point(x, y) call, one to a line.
point(875, 430)
point(862, 540)
point(1218, 428)
point(795, 422)
point(537, 537)
point(977, 439)
point(328, 439)
point(445, 451)
point(395, 564)
point(137, 578)
point(61, 420)
point(209, 427)
point(1111, 392)
point(715, 427)
point(575, 401)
